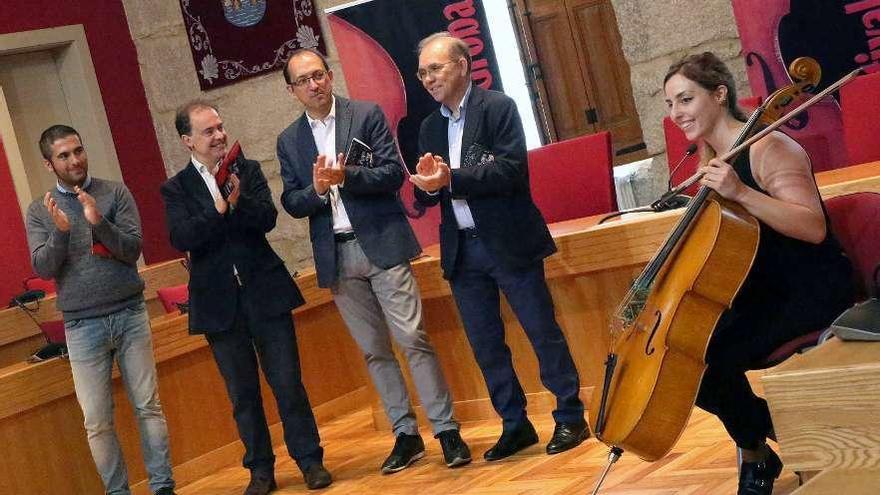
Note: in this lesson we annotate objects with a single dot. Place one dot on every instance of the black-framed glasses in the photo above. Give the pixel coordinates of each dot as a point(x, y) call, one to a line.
point(318, 76)
point(432, 70)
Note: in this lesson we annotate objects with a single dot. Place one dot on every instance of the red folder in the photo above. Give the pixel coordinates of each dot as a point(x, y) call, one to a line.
point(227, 168)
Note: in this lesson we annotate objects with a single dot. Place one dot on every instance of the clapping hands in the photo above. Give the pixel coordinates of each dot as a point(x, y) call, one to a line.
point(324, 175)
point(432, 173)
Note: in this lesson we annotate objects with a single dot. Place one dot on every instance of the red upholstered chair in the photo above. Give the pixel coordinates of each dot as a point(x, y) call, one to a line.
point(573, 178)
point(172, 297)
point(35, 283)
point(53, 331)
point(855, 221)
point(858, 103)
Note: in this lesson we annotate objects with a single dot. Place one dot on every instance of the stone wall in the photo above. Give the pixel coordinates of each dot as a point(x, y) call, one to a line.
point(254, 111)
point(656, 34)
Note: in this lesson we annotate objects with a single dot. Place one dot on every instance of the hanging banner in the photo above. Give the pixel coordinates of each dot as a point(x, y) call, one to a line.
point(377, 41)
point(232, 40)
point(841, 35)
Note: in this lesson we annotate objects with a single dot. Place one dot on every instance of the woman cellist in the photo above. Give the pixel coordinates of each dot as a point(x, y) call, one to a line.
point(800, 279)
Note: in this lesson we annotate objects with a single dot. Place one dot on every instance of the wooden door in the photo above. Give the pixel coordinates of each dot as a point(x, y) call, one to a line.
point(580, 71)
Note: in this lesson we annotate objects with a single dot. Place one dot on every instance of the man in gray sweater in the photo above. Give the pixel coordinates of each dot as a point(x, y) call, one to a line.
point(86, 234)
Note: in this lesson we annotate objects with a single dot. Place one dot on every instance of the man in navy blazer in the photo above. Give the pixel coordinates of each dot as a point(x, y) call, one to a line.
point(362, 244)
point(492, 236)
point(241, 296)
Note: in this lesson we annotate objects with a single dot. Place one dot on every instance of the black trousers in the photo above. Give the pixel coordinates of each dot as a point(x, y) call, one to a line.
point(761, 320)
point(476, 286)
point(236, 352)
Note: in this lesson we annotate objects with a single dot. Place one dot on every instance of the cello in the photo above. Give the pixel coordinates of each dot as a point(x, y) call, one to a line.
point(663, 326)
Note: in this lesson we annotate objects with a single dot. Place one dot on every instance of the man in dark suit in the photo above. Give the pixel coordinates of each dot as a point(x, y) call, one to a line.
point(362, 243)
point(492, 237)
point(241, 296)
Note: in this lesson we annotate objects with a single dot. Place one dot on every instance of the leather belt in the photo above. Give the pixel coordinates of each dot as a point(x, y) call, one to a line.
point(468, 233)
point(344, 236)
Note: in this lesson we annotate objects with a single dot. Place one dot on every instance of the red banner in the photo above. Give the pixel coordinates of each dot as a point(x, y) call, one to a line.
point(232, 40)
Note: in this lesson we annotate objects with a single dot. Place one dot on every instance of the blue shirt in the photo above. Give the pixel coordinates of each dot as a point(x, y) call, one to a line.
point(85, 185)
point(455, 134)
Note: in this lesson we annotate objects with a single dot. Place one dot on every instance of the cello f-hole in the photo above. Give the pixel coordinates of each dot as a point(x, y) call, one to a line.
point(649, 347)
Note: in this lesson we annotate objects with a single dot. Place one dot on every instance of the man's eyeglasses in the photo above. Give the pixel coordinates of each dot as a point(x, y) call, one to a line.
point(317, 76)
point(432, 70)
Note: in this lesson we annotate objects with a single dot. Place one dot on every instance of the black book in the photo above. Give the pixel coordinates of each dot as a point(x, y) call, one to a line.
point(358, 154)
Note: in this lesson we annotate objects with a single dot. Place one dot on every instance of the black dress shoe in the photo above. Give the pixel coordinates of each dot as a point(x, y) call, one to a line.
point(567, 436)
point(756, 478)
point(316, 476)
point(455, 451)
point(512, 441)
point(260, 484)
point(165, 490)
point(407, 450)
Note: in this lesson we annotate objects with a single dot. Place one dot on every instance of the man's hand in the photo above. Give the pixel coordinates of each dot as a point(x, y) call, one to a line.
point(321, 184)
point(236, 190)
point(90, 208)
point(431, 174)
point(221, 205)
point(335, 173)
point(58, 216)
point(427, 164)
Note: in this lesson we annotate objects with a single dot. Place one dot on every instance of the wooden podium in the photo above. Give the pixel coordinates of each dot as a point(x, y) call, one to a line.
point(825, 405)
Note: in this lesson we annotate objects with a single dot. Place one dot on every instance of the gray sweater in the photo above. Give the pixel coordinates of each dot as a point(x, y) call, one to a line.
point(89, 285)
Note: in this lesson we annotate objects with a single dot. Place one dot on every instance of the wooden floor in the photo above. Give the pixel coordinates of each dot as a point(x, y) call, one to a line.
point(703, 462)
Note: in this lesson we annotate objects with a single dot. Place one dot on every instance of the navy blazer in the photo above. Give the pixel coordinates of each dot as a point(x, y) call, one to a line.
point(217, 242)
point(496, 188)
point(369, 194)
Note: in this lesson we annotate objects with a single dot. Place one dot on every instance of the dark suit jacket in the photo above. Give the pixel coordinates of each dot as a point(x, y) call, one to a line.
point(496, 190)
point(215, 242)
point(369, 194)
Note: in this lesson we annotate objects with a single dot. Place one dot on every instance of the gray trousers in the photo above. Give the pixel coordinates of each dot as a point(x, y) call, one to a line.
point(373, 301)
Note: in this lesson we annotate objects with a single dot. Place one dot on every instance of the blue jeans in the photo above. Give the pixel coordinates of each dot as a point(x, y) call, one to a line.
point(92, 344)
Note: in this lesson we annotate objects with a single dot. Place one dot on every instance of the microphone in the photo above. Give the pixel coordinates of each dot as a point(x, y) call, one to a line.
point(690, 151)
point(670, 200)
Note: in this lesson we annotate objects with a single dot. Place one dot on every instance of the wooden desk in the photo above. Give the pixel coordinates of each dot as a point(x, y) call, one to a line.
point(825, 404)
point(857, 178)
point(588, 277)
point(40, 421)
point(20, 336)
point(842, 481)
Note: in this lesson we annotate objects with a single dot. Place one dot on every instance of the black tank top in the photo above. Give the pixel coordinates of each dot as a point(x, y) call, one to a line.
point(788, 264)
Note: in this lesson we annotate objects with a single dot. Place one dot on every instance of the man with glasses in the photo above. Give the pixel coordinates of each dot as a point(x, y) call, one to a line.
point(492, 237)
point(362, 243)
point(86, 234)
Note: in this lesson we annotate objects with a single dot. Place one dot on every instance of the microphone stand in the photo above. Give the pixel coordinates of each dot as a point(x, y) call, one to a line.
point(671, 199)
